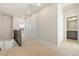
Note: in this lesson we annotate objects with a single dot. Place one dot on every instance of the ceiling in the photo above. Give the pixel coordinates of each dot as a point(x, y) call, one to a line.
point(26, 9)
point(20, 9)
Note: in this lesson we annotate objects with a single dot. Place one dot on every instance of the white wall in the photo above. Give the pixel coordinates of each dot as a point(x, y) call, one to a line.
point(43, 24)
point(7, 27)
point(0, 28)
point(27, 27)
point(47, 24)
point(31, 26)
point(60, 25)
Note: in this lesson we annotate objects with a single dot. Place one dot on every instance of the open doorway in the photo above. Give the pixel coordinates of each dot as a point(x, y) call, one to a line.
point(72, 28)
point(71, 32)
point(71, 25)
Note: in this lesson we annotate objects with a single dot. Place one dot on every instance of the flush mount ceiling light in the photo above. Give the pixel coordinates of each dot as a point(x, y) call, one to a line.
point(72, 19)
point(38, 4)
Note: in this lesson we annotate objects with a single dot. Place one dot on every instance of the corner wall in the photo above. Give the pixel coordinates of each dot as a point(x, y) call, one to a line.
point(47, 24)
point(60, 25)
point(45, 28)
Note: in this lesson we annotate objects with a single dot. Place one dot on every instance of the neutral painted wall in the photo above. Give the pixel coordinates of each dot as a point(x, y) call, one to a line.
point(6, 27)
point(0, 28)
point(43, 24)
point(60, 25)
point(31, 26)
point(47, 24)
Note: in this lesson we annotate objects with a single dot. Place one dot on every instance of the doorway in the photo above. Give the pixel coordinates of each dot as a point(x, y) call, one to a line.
point(71, 32)
point(72, 28)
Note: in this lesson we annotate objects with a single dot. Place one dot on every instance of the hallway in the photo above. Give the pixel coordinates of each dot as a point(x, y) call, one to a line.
point(44, 23)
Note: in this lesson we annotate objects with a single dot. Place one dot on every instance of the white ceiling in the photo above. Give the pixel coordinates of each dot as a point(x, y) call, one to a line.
point(20, 9)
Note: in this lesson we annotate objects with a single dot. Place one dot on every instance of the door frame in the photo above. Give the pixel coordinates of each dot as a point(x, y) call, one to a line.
point(65, 28)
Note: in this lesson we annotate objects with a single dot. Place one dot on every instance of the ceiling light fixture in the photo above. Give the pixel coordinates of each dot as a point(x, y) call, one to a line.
point(72, 19)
